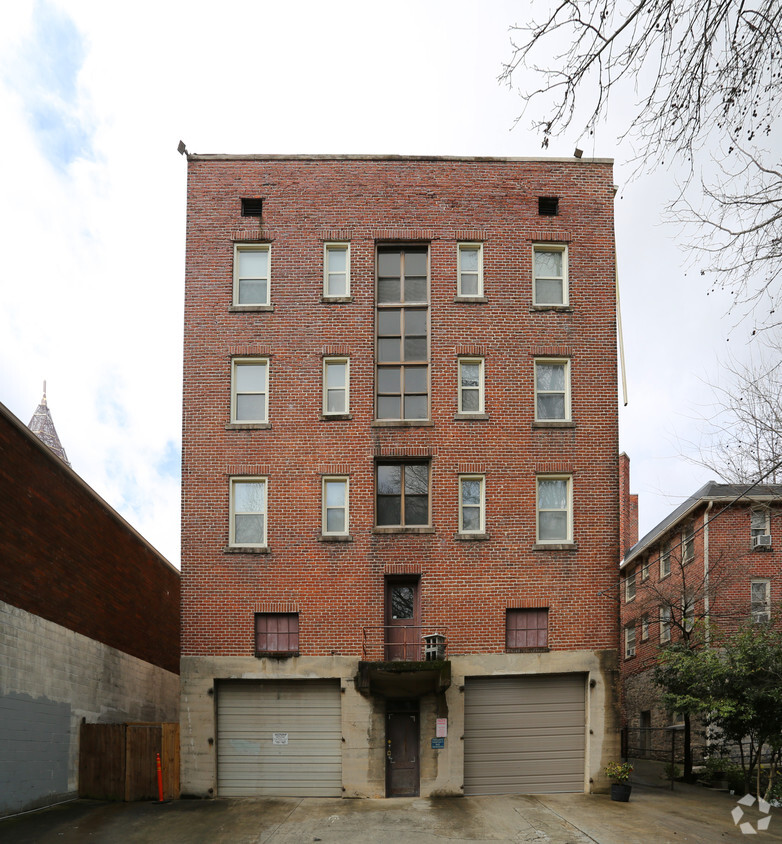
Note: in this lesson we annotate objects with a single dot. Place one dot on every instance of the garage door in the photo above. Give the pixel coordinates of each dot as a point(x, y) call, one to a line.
point(279, 739)
point(524, 735)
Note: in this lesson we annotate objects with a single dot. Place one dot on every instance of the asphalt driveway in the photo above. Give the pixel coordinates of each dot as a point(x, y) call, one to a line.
point(689, 814)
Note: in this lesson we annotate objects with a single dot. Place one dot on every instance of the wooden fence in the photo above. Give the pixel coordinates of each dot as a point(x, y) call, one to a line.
point(118, 761)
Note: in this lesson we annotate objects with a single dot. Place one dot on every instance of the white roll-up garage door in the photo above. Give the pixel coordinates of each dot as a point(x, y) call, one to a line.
point(524, 734)
point(279, 738)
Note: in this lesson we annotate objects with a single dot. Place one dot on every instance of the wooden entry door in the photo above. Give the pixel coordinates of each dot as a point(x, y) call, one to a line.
point(402, 739)
point(402, 631)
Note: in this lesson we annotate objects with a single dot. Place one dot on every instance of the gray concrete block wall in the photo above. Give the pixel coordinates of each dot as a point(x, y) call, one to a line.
point(50, 679)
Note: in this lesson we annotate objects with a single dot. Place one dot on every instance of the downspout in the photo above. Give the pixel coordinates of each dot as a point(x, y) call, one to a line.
point(706, 570)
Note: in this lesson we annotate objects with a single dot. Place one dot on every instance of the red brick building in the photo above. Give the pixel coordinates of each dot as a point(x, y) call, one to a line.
point(400, 495)
point(714, 562)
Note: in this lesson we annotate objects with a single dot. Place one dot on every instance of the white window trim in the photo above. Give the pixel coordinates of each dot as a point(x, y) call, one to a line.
point(471, 247)
point(336, 245)
point(766, 514)
point(324, 522)
point(332, 360)
point(630, 637)
point(551, 247)
point(471, 361)
point(665, 560)
point(688, 543)
point(553, 361)
point(252, 247)
point(234, 394)
point(645, 569)
point(569, 538)
point(665, 624)
point(232, 538)
point(644, 627)
point(482, 521)
point(630, 588)
point(688, 612)
point(766, 611)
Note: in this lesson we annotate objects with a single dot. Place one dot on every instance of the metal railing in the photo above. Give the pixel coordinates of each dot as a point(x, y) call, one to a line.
point(389, 643)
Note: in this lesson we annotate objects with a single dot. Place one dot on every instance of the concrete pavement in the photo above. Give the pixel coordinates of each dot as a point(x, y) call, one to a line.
point(689, 815)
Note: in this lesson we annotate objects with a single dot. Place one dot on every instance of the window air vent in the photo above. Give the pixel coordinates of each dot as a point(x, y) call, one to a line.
point(762, 541)
point(251, 207)
point(548, 206)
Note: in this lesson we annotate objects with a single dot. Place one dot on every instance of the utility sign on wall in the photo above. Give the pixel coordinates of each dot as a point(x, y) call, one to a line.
point(279, 738)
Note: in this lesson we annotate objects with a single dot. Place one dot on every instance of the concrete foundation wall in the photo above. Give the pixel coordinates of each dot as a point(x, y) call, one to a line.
point(363, 718)
point(51, 679)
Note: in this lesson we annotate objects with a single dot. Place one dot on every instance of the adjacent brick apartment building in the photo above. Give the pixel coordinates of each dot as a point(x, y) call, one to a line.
point(718, 559)
point(400, 496)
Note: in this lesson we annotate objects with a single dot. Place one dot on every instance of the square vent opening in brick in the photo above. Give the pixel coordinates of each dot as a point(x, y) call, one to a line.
point(548, 206)
point(251, 207)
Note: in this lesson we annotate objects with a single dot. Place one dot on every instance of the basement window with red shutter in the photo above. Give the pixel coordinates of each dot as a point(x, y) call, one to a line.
point(526, 629)
point(276, 634)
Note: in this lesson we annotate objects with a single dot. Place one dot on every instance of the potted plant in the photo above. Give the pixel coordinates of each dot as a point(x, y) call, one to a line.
point(619, 774)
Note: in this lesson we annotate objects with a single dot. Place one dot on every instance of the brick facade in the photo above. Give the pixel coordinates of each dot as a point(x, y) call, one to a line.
point(466, 583)
point(70, 558)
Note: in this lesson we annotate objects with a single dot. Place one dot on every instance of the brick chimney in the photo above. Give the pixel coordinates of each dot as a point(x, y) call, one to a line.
point(628, 508)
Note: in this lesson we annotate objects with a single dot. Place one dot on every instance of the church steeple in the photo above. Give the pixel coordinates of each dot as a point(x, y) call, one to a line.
point(43, 427)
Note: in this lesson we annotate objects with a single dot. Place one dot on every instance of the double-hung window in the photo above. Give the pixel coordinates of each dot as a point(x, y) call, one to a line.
point(336, 386)
point(336, 270)
point(402, 494)
point(550, 284)
point(552, 390)
point(250, 390)
point(665, 559)
point(688, 543)
point(630, 641)
point(402, 320)
point(644, 627)
point(645, 569)
point(471, 504)
point(688, 611)
point(471, 385)
point(760, 597)
point(470, 270)
point(335, 506)
point(251, 274)
point(248, 512)
point(630, 588)
point(554, 509)
point(665, 624)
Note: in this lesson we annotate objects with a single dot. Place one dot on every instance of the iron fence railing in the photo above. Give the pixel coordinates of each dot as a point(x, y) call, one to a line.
point(390, 643)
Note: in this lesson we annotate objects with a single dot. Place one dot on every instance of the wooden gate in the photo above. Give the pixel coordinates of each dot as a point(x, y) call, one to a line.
point(118, 761)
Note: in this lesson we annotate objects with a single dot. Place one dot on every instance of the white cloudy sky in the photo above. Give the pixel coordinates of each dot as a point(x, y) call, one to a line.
point(94, 97)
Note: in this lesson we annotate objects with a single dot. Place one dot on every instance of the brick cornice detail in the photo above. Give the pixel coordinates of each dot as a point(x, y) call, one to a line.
point(471, 468)
point(402, 568)
point(470, 235)
point(551, 352)
point(554, 469)
point(247, 469)
point(334, 469)
point(555, 235)
point(464, 351)
point(335, 234)
point(262, 349)
point(275, 606)
point(335, 349)
point(404, 234)
point(528, 604)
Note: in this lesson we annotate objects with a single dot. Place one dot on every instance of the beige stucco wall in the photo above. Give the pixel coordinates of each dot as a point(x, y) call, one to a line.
point(363, 718)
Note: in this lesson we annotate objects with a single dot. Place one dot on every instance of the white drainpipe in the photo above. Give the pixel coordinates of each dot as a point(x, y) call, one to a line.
point(706, 569)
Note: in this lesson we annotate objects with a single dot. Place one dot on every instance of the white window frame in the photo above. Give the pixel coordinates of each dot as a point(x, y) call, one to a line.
point(235, 394)
point(688, 543)
point(629, 641)
point(345, 481)
point(760, 616)
point(243, 479)
point(645, 569)
point(630, 588)
point(469, 247)
point(756, 514)
point(481, 506)
point(335, 246)
point(665, 624)
point(326, 362)
point(644, 627)
point(252, 247)
point(565, 362)
point(472, 362)
point(569, 511)
point(665, 559)
point(551, 247)
point(688, 612)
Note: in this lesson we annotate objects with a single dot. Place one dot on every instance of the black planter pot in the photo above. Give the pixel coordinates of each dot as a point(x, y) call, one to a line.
point(620, 791)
